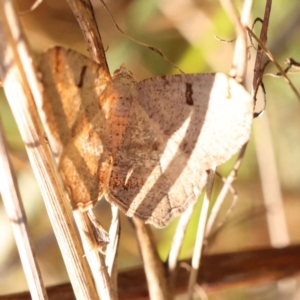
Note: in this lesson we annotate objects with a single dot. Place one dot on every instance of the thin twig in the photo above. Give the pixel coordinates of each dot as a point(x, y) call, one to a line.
point(200, 234)
point(271, 57)
point(84, 13)
point(154, 269)
point(260, 52)
point(226, 187)
point(112, 248)
point(218, 227)
point(177, 242)
point(21, 86)
point(291, 63)
point(15, 211)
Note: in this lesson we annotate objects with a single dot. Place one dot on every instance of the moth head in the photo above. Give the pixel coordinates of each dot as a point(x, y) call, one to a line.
point(123, 71)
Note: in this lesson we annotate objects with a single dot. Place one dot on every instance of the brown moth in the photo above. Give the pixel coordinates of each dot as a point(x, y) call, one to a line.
point(144, 145)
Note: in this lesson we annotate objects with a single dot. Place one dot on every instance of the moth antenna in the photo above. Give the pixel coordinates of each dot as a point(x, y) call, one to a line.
point(158, 51)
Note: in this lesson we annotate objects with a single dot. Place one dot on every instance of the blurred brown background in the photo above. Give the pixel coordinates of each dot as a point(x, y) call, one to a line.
point(184, 30)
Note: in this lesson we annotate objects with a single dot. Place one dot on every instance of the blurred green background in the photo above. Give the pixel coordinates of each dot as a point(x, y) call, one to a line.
point(184, 30)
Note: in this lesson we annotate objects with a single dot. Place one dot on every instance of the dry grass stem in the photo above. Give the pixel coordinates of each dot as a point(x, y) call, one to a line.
point(209, 235)
point(277, 225)
point(15, 211)
point(200, 235)
point(112, 248)
point(153, 266)
point(238, 71)
point(177, 242)
point(94, 257)
point(226, 187)
point(84, 13)
point(21, 86)
point(239, 62)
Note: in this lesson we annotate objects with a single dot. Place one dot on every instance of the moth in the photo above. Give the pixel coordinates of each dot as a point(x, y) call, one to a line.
point(145, 146)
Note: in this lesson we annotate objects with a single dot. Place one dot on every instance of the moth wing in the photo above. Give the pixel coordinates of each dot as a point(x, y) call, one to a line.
point(74, 120)
point(179, 127)
point(219, 110)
